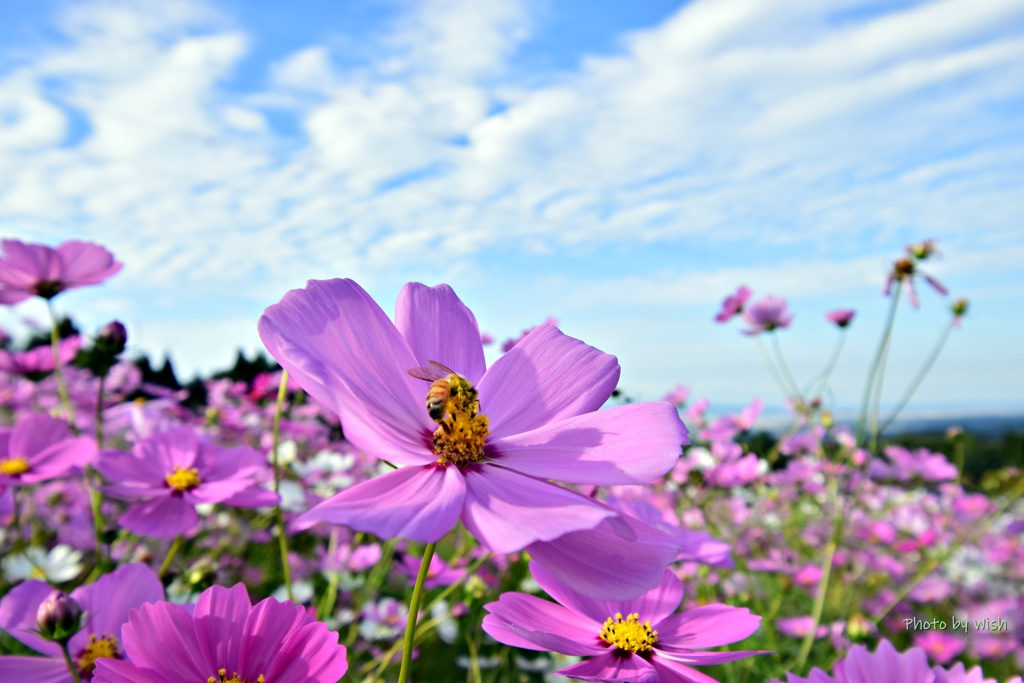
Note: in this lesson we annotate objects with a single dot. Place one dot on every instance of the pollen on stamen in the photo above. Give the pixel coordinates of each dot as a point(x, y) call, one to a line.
point(222, 677)
point(12, 467)
point(96, 648)
point(184, 479)
point(462, 434)
point(628, 634)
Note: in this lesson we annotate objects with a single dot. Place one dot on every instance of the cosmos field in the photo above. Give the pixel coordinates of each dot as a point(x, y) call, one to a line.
point(379, 505)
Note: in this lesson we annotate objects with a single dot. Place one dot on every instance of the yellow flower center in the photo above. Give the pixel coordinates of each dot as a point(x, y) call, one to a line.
point(462, 433)
point(184, 479)
point(222, 677)
point(12, 467)
point(105, 646)
point(629, 634)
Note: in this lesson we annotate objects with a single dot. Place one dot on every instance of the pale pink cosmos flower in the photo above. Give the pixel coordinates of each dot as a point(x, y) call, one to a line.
point(842, 317)
point(630, 640)
point(28, 270)
point(505, 430)
point(767, 314)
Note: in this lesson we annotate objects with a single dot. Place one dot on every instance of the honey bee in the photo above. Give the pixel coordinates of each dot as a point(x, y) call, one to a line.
point(440, 391)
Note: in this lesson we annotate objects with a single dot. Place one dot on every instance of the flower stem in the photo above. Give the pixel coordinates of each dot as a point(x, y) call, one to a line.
point(922, 373)
point(95, 496)
point(414, 608)
point(771, 365)
point(785, 367)
point(171, 552)
point(282, 538)
point(876, 365)
point(816, 386)
point(71, 665)
point(62, 386)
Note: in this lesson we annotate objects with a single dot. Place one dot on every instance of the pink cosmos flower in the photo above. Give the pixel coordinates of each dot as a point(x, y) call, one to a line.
point(40, 358)
point(171, 472)
point(633, 640)
point(842, 317)
point(767, 314)
point(276, 642)
point(905, 270)
point(677, 396)
point(958, 674)
point(106, 604)
point(40, 448)
point(733, 304)
point(28, 270)
point(940, 647)
point(503, 432)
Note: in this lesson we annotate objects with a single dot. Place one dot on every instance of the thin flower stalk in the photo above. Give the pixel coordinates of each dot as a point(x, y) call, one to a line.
point(62, 386)
point(414, 607)
point(918, 378)
point(282, 538)
point(71, 665)
point(771, 366)
point(777, 346)
point(171, 553)
point(876, 365)
point(817, 385)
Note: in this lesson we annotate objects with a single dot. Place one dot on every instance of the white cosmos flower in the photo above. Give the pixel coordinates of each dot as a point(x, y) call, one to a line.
point(61, 564)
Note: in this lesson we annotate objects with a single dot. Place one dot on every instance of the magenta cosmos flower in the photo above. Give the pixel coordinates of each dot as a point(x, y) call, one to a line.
point(40, 358)
point(733, 304)
point(40, 448)
point(106, 605)
point(171, 472)
point(632, 640)
point(226, 639)
point(842, 317)
point(28, 270)
point(767, 314)
point(496, 434)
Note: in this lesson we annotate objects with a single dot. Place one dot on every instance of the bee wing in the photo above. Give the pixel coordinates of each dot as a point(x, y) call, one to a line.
point(435, 372)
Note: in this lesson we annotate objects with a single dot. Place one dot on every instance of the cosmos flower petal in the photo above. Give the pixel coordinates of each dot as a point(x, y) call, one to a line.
point(884, 665)
point(547, 377)
point(85, 263)
point(18, 617)
point(556, 628)
point(269, 621)
point(221, 463)
point(506, 510)
point(35, 434)
point(28, 669)
point(630, 444)
point(24, 264)
point(112, 597)
point(655, 604)
point(109, 670)
point(311, 653)
point(121, 467)
point(253, 497)
point(160, 517)
point(708, 626)
point(439, 327)
point(342, 349)
point(676, 672)
point(57, 459)
point(610, 666)
point(220, 618)
point(702, 658)
point(602, 564)
point(421, 503)
point(176, 447)
point(216, 491)
point(173, 629)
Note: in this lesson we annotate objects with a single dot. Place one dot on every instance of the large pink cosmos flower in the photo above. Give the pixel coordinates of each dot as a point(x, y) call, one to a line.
point(484, 462)
point(28, 270)
point(633, 640)
point(276, 642)
point(171, 472)
point(40, 448)
point(106, 604)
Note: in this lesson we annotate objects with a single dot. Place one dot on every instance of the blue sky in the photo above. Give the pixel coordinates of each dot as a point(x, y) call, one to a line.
point(620, 166)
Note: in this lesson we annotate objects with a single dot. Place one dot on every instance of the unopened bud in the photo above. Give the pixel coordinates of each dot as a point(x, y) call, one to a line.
point(922, 250)
point(859, 627)
point(112, 338)
point(59, 617)
point(960, 307)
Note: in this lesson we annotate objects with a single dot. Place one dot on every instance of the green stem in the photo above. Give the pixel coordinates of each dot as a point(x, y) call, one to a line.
point(414, 608)
point(95, 495)
point(875, 369)
point(326, 606)
point(922, 373)
point(62, 386)
point(816, 386)
point(282, 538)
point(171, 552)
point(771, 365)
point(785, 367)
point(71, 665)
point(826, 574)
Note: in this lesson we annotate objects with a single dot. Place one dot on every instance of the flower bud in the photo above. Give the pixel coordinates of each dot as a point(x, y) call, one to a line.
point(112, 338)
point(59, 617)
